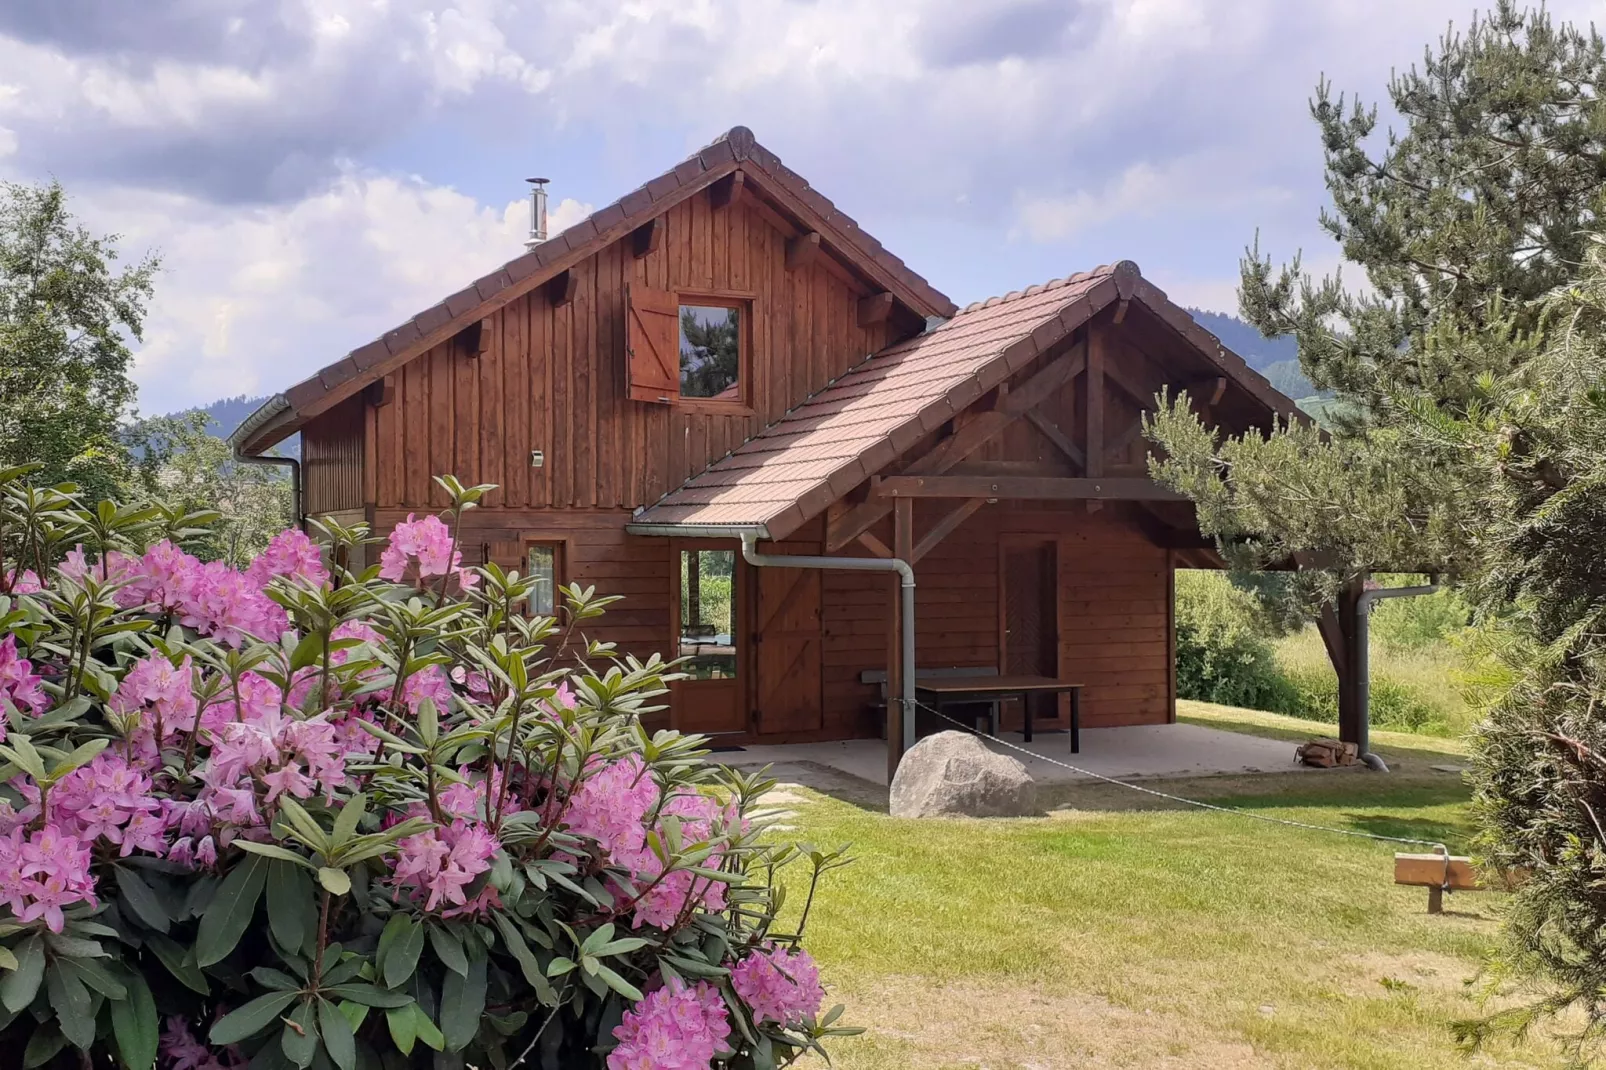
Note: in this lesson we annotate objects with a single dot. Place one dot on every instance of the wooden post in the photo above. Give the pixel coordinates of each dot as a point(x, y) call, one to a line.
point(1350, 712)
point(694, 587)
point(903, 528)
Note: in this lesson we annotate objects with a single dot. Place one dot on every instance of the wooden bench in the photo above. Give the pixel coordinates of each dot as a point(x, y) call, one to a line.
point(1444, 873)
point(952, 672)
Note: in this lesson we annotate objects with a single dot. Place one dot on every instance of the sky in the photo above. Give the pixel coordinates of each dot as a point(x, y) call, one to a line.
point(313, 172)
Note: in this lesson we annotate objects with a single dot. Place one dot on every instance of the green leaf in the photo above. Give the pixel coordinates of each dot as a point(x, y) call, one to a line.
point(403, 1026)
point(230, 911)
point(335, 881)
point(350, 815)
point(180, 962)
point(292, 909)
point(309, 650)
point(82, 755)
point(559, 966)
point(251, 1018)
point(370, 995)
point(42, 1047)
point(98, 977)
point(428, 1032)
point(141, 900)
point(299, 1041)
point(527, 962)
point(399, 945)
point(71, 1002)
point(8, 961)
point(275, 852)
point(18, 987)
point(338, 1039)
point(449, 949)
point(134, 1023)
point(462, 1004)
point(617, 983)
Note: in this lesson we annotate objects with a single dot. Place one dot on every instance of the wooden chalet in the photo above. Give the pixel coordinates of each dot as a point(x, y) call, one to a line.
point(722, 352)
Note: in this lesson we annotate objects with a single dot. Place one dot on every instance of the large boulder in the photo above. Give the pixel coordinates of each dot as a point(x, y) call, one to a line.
point(953, 774)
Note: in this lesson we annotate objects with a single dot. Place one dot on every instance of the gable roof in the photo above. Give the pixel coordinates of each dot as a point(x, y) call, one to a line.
point(858, 423)
point(736, 150)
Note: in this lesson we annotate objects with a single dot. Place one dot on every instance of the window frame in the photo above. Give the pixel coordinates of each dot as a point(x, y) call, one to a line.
point(560, 565)
point(743, 302)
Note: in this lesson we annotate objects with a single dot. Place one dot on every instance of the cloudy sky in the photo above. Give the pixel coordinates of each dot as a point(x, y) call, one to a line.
point(314, 171)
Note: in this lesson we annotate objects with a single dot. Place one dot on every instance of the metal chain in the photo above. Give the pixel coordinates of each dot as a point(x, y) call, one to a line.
point(1440, 847)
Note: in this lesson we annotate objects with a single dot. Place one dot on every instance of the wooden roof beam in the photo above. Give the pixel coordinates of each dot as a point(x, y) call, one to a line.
point(801, 250)
point(727, 191)
point(945, 527)
point(560, 290)
point(646, 238)
point(875, 309)
point(1039, 488)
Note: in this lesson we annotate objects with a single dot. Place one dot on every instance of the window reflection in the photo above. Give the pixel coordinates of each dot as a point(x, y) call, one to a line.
point(707, 613)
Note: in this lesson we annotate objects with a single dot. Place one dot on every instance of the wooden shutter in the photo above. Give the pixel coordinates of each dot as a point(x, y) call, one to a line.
point(652, 344)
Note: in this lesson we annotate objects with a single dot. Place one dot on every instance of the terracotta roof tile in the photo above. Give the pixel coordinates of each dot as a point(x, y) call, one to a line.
point(793, 469)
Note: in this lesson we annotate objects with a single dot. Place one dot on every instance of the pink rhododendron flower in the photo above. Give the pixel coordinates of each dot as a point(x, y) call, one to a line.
point(779, 985)
point(26, 582)
point(681, 890)
point(290, 553)
point(420, 550)
point(672, 1028)
point(442, 862)
point(158, 579)
point(228, 605)
point(107, 799)
point(18, 682)
point(44, 873)
point(154, 692)
point(429, 682)
point(611, 807)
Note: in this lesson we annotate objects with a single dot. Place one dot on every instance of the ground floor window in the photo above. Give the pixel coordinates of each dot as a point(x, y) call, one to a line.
point(543, 561)
point(707, 613)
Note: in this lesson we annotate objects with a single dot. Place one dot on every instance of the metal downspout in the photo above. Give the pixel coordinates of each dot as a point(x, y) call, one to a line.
point(906, 700)
point(1363, 656)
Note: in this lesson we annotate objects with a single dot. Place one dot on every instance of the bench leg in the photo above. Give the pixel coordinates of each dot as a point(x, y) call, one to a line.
point(1435, 900)
point(1076, 720)
point(1026, 715)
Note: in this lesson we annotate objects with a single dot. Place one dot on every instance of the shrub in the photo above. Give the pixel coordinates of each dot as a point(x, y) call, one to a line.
point(1220, 655)
point(300, 817)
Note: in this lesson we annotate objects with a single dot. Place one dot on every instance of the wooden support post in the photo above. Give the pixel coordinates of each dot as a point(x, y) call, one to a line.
point(903, 525)
point(1093, 447)
point(1351, 726)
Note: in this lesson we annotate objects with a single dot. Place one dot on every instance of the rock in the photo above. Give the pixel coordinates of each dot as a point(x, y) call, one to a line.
point(953, 774)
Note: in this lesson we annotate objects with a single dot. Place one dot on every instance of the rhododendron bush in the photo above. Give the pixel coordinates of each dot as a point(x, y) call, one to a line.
point(303, 816)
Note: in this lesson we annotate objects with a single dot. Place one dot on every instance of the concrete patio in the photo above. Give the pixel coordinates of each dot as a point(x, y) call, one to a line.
point(1134, 752)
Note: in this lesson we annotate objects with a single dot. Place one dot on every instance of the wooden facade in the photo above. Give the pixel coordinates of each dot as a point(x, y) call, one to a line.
point(1037, 542)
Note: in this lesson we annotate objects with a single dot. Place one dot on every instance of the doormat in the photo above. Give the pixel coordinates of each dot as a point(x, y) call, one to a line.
point(725, 750)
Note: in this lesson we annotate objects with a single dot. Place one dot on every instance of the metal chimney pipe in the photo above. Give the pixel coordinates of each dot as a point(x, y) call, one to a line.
point(537, 212)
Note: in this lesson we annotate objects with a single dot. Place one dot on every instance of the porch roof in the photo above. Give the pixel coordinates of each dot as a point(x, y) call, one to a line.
point(861, 421)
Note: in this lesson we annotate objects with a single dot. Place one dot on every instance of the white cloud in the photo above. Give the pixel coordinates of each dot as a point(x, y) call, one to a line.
point(250, 301)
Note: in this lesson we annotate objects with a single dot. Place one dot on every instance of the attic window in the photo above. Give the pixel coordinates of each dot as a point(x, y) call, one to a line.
point(689, 349)
point(711, 351)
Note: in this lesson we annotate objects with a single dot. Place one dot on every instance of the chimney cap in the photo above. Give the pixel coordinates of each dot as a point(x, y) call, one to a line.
point(538, 181)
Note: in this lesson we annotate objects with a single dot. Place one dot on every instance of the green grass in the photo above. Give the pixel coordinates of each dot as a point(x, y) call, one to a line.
point(1143, 937)
point(1413, 687)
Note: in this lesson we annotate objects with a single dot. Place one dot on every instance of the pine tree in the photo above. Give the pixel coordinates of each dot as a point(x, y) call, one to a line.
point(1471, 376)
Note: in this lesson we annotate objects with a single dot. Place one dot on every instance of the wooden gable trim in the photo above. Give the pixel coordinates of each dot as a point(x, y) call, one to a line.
point(801, 250)
point(727, 191)
point(646, 238)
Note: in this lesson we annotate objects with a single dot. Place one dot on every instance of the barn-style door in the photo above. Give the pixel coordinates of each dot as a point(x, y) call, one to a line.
point(788, 697)
point(1029, 619)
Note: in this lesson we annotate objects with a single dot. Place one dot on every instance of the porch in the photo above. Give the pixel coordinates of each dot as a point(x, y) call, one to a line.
point(1151, 751)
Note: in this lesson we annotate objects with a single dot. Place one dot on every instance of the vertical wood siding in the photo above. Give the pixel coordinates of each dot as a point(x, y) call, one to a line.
point(552, 377)
point(332, 459)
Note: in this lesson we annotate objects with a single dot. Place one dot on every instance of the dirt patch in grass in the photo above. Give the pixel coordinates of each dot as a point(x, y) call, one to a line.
point(918, 1023)
point(1427, 970)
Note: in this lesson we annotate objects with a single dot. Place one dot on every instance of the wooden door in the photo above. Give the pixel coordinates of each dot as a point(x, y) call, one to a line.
point(1029, 643)
point(787, 695)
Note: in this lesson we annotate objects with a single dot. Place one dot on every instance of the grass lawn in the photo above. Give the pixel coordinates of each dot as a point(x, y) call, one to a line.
point(1104, 936)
